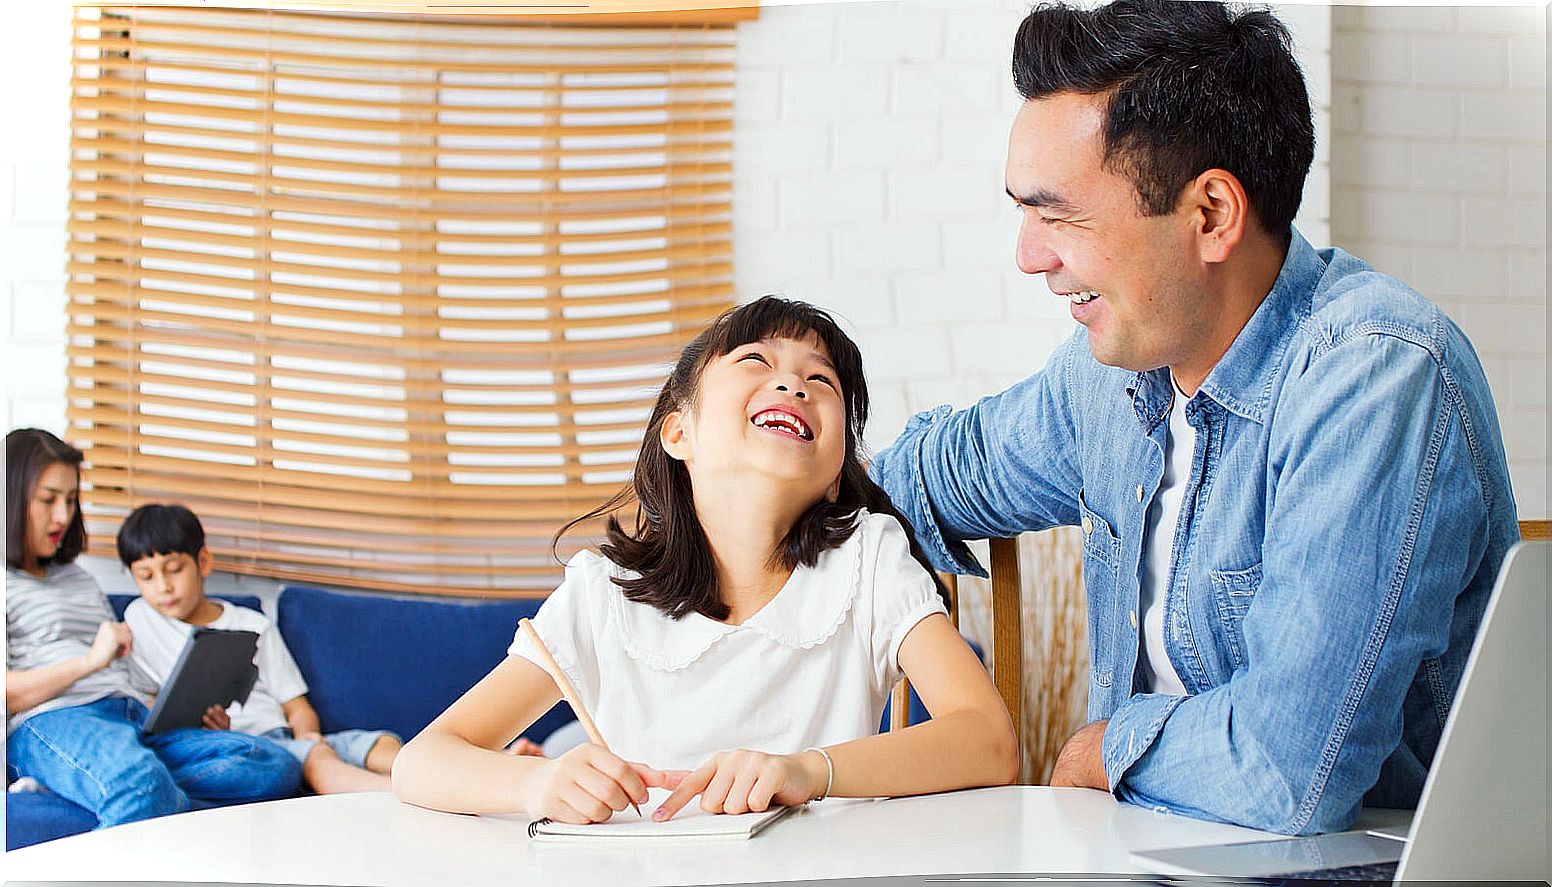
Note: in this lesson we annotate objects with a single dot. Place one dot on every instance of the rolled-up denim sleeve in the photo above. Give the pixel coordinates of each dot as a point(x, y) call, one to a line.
point(999, 468)
point(1376, 521)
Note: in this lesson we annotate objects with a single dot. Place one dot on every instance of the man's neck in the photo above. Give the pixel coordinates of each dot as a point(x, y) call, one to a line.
point(1242, 284)
point(743, 529)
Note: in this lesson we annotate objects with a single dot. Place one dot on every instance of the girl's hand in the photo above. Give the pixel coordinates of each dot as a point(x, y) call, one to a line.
point(216, 718)
point(113, 640)
point(587, 784)
point(746, 781)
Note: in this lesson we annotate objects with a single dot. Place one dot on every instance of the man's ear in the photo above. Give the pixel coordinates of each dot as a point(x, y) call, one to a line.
point(205, 561)
point(1221, 214)
point(672, 436)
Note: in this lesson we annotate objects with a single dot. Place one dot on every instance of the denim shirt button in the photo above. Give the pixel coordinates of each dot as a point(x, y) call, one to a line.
point(1088, 525)
point(1133, 614)
point(1139, 492)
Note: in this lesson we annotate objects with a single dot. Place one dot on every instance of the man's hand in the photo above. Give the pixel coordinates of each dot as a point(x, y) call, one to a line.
point(1081, 763)
point(216, 718)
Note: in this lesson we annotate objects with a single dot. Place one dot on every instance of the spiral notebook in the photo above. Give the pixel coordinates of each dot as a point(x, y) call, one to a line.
point(689, 823)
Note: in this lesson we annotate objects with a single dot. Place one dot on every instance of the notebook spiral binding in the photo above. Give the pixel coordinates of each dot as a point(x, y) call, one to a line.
point(533, 827)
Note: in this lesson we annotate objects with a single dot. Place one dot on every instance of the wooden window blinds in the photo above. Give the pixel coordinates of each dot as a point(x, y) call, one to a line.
point(385, 300)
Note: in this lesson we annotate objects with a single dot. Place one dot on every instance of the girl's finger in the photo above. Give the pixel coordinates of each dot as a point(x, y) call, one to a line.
point(714, 796)
point(652, 778)
point(688, 787)
point(764, 789)
point(564, 812)
point(586, 804)
point(738, 794)
point(625, 776)
point(603, 787)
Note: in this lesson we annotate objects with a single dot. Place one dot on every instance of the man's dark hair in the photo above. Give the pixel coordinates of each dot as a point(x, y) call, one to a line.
point(28, 453)
point(667, 547)
point(1191, 86)
point(151, 530)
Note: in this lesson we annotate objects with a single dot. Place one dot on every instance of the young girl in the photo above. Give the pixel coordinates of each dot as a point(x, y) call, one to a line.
point(73, 717)
point(739, 644)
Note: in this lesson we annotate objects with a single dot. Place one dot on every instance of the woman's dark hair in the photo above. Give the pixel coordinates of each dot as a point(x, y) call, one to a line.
point(667, 548)
point(28, 453)
point(1192, 86)
point(151, 530)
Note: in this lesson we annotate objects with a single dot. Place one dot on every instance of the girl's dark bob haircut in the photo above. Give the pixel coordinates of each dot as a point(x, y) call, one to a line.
point(28, 453)
point(667, 549)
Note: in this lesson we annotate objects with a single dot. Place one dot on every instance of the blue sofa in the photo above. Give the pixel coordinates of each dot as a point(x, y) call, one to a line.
point(372, 661)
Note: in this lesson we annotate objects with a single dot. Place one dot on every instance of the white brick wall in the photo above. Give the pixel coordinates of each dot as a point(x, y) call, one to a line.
point(1438, 160)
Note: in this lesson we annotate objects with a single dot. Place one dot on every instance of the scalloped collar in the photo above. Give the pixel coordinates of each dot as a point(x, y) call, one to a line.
point(804, 613)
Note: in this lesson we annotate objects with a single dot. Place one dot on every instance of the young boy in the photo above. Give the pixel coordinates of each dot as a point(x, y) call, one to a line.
point(164, 548)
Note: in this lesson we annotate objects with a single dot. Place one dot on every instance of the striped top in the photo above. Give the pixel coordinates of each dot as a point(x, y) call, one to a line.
point(52, 619)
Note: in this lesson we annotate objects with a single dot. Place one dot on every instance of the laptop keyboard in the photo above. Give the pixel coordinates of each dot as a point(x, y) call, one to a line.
point(1373, 873)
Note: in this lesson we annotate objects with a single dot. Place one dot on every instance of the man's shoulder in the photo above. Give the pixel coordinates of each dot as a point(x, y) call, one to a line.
point(1355, 300)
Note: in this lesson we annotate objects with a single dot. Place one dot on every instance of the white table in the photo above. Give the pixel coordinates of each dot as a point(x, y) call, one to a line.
point(373, 839)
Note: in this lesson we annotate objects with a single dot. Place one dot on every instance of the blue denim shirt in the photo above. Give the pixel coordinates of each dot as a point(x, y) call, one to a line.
point(1347, 510)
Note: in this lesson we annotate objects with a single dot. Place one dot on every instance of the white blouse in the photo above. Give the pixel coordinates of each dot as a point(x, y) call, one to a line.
point(813, 667)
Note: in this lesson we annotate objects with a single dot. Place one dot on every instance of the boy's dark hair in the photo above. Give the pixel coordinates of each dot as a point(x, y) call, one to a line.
point(28, 453)
point(667, 548)
point(1192, 86)
point(151, 530)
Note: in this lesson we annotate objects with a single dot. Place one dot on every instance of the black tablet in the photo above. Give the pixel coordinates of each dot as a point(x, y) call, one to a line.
point(215, 668)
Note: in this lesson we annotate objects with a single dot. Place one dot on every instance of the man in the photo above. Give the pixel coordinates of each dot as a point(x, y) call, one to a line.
point(1287, 466)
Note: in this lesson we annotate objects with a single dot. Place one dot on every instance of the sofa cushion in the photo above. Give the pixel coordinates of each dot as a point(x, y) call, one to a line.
point(31, 817)
point(395, 662)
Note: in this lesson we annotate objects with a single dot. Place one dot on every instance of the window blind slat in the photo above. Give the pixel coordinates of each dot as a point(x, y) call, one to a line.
point(386, 302)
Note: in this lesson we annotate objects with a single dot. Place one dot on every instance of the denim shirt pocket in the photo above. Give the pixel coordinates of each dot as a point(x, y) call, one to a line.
point(1101, 570)
point(1233, 591)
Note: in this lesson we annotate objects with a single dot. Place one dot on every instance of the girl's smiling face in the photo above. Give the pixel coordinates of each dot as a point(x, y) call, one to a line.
point(774, 407)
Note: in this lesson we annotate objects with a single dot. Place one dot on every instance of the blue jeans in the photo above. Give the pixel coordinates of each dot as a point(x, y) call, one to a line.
point(95, 755)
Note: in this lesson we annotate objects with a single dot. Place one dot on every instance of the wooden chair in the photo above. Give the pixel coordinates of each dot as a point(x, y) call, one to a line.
point(1008, 631)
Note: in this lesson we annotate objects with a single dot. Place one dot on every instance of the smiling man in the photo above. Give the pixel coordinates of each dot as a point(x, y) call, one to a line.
point(1286, 465)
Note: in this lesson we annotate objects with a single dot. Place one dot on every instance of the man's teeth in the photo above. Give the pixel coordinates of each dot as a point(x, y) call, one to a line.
point(785, 421)
point(1079, 298)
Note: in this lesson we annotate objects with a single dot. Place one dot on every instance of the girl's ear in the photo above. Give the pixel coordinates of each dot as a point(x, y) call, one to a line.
point(672, 436)
point(834, 492)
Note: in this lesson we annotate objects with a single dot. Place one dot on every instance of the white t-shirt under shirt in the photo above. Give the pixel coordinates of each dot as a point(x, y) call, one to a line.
point(159, 641)
point(1163, 516)
point(813, 667)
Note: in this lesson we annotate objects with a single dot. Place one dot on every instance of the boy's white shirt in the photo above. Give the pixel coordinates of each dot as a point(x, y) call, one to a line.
point(813, 667)
point(159, 640)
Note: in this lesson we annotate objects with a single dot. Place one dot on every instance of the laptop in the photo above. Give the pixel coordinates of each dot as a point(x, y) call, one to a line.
point(1483, 811)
